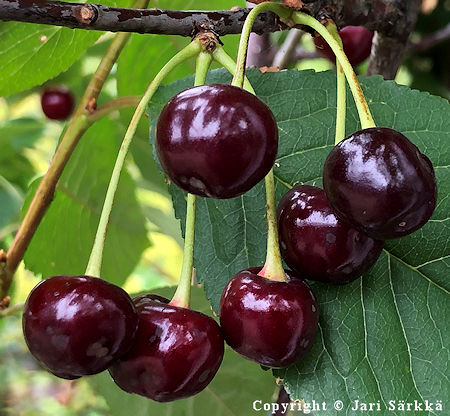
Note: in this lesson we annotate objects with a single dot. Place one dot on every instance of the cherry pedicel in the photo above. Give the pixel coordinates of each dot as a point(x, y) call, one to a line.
point(380, 183)
point(57, 103)
point(270, 322)
point(176, 353)
point(318, 245)
point(357, 43)
point(78, 325)
point(216, 140)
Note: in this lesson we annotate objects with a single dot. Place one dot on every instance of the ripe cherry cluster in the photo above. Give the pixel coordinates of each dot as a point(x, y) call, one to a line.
point(219, 141)
point(82, 325)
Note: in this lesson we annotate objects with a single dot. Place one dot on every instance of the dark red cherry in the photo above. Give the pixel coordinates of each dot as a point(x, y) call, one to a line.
point(216, 140)
point(176, 353)
point(357, 42)
point(270, 322)
point(78, 325)
point(318, 245)
point(380, 183)
point(57, 103)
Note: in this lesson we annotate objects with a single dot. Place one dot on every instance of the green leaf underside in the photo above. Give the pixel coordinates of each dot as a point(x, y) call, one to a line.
point(231, 393)
point(385, 336)
point(64, 239)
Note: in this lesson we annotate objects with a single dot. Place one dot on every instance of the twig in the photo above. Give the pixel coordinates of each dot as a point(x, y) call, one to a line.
point(388, 49)
point(116, 19)
point(430, 41)
point(287, 50)
point(114, 105)
point(302, 53)
point(11, 310)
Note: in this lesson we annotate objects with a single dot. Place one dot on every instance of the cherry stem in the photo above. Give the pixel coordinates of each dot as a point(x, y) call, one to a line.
point(361, 104)
point(282, 12)
point(182, 295)
point(95, 260)
point(273, 267)
point(341, 89)
point(229, 64)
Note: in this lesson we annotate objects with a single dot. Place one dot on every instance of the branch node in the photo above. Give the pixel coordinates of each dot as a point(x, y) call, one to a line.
point(86, 14)
point(4, 303)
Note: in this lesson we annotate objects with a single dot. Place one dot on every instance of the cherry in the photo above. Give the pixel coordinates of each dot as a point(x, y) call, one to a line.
point(57, 103)
point(216, 140)
point(380, 183)
point(270, 322)
point(318, 245)
point(78, 325)
point(176, 353)
point(357, 42)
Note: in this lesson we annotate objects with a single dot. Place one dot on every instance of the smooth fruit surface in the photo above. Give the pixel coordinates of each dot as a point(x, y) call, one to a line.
point(176, 353)
point(272, 323)
point(77, 325)
point(57, 103)
point(380, 182)
point(316, 244)
point(357, 42)
point(216, 140)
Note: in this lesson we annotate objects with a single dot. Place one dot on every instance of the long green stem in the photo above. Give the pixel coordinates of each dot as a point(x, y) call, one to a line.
point(341, 89)
point(361, 104)
point(182, 295)
point(281, 11)
point(228, 63)
point(273, 267)
point(95, 260)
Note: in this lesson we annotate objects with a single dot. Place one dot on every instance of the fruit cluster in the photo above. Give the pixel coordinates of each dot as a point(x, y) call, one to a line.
point(219, 140)
point(82, 325)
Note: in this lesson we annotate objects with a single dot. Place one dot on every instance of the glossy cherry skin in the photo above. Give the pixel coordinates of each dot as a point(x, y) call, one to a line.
point(357, 42)
point(57, 103)
point(270, 322)
point(380, 183)
point(78, 325)
point(176, 353)
point(318, 245)
point(216, 140)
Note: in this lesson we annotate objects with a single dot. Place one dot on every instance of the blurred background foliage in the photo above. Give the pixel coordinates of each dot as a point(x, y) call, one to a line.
point(28, 141)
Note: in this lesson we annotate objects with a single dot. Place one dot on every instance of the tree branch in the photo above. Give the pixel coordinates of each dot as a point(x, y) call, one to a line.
point(115, 19)
point(388, 48)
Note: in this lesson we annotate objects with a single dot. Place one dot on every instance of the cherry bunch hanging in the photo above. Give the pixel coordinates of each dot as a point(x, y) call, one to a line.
point(219, 141)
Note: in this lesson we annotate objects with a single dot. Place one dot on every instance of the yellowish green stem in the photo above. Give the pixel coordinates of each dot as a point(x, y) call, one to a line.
point(273, 267)
point(95, 260)
point(364, 113)
point(182, 295)
point(282, 12)
point(341, 89)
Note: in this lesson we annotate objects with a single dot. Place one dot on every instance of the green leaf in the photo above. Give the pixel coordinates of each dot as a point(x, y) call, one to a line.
point(64, 239)
point(31, 54)
point(10, 202)
point(385, 336)
point(231, 393)
point(15, 136)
